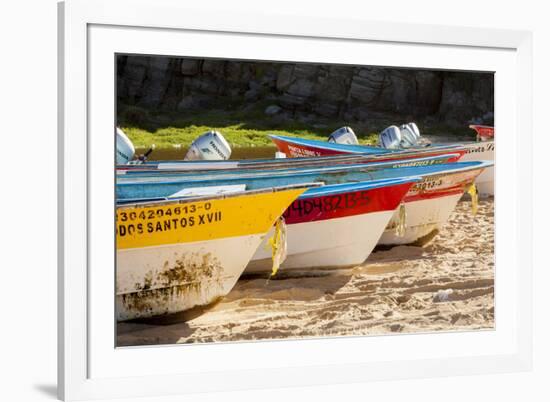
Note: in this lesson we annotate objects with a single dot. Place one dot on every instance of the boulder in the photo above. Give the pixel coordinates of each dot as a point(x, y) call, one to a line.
point(306, 70)
point(233, 72)
point(191, 102)
point(158, 80)
point(362, 90)
point(215, 68)
point(326, 109)
point(272, 109)
point(301, 88)
point(284, 78)
point(190, 66)
point(252, 95)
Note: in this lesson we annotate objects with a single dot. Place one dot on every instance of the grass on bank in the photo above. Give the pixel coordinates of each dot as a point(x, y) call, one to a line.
point(235, 134)
point(245, 127)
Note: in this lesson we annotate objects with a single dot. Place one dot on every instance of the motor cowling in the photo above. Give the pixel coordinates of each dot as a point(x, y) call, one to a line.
point(344, 135)
point(405, 136)
point(390, 138)
point(125, 150)
point(209, 146)
point(409, 135)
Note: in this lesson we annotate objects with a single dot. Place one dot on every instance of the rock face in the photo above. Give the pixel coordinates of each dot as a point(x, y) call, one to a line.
point(330, 91)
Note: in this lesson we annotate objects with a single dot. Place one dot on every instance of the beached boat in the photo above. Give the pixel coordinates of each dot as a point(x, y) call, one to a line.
point(180, 166)
point(335, 225)
point(484, 133)
point(178, 175)
point(182, 253)
point(484, 150)
point(473, 150)
point(427, 205)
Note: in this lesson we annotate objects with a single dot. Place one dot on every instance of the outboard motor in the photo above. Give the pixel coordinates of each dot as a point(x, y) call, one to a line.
point(409, 135)
point(390, 138)
point(124, 148)
point(210, 146)
point(344, 135)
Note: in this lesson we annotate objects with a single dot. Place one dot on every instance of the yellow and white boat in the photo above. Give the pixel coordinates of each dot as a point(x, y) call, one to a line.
point(178, 254)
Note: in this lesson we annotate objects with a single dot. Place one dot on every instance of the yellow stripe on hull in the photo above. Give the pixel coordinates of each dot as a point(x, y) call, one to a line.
point(190, 221)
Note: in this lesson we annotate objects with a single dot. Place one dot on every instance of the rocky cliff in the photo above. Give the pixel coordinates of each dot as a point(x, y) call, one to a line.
point(350, 93)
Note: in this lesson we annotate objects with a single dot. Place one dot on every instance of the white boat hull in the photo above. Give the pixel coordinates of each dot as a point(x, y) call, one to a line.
point(167, 279)
point(423, 217)
point(337, 242)
point(483, 151)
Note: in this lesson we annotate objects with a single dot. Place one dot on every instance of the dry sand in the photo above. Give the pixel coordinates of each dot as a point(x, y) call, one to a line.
point(444, 286)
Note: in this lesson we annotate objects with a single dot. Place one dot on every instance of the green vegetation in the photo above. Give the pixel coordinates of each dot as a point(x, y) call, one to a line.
point(244, 127)
point(236, 134)
point(241, 127)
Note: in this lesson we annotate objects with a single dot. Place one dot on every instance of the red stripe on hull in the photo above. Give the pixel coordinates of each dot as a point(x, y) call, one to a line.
point(300, 151)
point(442, 185)
point(484, 132)
point(434, 194)
point(346, 204)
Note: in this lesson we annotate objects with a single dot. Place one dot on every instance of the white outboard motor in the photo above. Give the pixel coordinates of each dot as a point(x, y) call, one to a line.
point(210, 146)
point(409, 135)
point(344, 135)
point(390, 138)
point(124, 148)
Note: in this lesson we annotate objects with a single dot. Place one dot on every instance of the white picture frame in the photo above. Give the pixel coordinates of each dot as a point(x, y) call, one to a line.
point(92, 32)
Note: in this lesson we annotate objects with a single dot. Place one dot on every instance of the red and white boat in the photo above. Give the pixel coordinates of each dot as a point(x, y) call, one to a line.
point(429, 204)
point(335, 225)
point(473, 151)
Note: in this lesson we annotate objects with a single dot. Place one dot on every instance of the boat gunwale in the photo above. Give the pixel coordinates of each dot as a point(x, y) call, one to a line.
point(185, 200)
point(453, 167)
point(322, 189)
point(246, 163)
point(359, 148)
point(365, 185)
point(127, 179)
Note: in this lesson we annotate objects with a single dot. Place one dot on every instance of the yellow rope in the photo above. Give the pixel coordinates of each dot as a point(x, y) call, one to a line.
point(402, 222)
point(278, 245)
point(472, 190)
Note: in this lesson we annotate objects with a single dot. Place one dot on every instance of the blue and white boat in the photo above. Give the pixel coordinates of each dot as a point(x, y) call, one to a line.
point(286, 169)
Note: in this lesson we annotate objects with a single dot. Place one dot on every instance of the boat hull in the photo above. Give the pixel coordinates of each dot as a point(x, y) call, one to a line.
point(177, 255)
point(482, 151)
point(313, 148)
point(331, 231)
point(423, 219)
point(332, 243)
point(173, 278)
point(428, 205)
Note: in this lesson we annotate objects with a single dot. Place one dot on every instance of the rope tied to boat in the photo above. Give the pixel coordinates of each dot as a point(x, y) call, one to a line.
point(472, 190)
point(402, 221)
point(278, 245)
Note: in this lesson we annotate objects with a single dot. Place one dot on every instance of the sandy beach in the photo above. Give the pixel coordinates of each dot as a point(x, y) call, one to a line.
point(446, 285)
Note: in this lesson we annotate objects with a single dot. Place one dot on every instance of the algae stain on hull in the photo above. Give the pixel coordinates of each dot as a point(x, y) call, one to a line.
point(192, 280)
